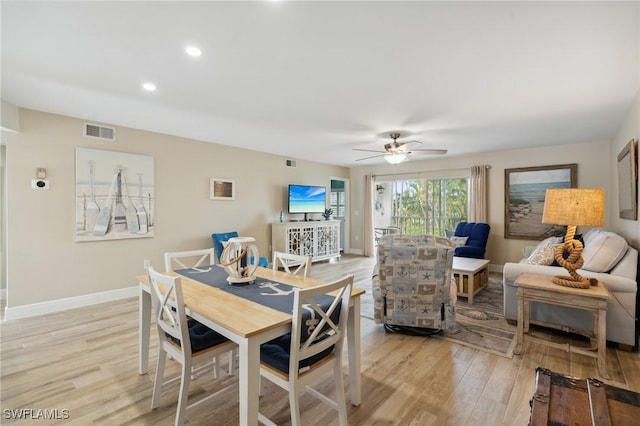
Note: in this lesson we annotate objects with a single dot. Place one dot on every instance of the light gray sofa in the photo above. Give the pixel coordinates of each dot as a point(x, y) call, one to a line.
point(607, 259)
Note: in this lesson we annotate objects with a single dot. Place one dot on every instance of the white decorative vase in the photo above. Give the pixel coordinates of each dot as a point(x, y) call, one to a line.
point(240, 259)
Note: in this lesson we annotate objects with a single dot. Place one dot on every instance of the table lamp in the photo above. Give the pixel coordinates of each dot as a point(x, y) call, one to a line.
point(573, 207)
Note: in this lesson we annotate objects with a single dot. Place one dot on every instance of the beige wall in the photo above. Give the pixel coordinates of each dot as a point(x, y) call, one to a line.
point(629, 129)
point(9, 117)
point(45, 264)
point(592, 172)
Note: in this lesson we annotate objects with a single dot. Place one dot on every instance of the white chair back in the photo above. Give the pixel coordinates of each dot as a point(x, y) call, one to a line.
point(188, 259)
point(292, 263)
point(174, 340)
point(322, 332)
point(326, 327)
point(166, 294)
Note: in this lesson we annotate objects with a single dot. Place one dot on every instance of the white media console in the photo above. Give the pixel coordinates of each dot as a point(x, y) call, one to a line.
point(318, 239)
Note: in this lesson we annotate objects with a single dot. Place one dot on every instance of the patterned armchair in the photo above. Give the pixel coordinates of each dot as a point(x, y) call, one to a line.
point(412, 284)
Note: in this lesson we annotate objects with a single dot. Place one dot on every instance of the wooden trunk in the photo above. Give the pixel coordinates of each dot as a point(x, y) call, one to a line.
point(564, 400)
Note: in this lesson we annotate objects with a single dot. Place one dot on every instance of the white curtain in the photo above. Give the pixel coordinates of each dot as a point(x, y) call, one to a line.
point(478, 194)
point(368, 240)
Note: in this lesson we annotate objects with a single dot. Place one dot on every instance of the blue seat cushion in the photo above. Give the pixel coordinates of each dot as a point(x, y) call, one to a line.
point(469, 251)
point(201, 336)
point(276, 353)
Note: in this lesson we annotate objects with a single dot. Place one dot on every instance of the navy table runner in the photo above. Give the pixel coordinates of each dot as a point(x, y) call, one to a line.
point(275, 295)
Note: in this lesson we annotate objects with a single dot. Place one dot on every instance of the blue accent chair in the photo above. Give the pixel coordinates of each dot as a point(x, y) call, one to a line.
point(478, 234)
point(219, 238)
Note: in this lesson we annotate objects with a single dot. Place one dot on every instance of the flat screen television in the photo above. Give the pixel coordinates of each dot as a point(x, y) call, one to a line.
point(307, 199)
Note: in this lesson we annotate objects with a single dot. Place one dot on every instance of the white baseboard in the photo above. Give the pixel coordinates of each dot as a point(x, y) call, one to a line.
point(495, 268)
point(25, 311)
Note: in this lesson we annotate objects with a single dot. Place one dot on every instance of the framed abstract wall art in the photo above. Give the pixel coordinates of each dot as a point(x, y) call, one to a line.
point(524, 191)
point(114, 195)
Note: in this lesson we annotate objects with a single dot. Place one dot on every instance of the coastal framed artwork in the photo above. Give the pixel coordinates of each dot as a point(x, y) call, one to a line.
point(222, 189)
point(628, 181)
point(525, 190)
point(114, 195)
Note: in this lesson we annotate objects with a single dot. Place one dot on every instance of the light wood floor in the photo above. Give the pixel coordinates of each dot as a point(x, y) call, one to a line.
point(85, 361)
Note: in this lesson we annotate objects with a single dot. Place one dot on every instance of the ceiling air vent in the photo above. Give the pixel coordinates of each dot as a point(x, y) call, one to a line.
point(291, 163)
point(100, 132)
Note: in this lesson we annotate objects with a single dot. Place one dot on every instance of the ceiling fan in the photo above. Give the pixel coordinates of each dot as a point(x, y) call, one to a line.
point(396, 152)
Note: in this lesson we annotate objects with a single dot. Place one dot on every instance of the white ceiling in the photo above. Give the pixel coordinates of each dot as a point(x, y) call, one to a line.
point(312, 80)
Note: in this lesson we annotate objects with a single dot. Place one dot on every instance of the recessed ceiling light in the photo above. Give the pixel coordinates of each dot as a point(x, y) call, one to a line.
point(149, 87)
point(193, 51)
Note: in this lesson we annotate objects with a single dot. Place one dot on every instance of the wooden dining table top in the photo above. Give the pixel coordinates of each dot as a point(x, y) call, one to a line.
point(241, 316)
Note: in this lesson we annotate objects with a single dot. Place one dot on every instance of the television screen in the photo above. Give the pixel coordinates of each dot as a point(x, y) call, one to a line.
point(307, 199)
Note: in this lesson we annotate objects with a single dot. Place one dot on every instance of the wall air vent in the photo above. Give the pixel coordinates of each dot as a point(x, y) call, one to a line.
point(100, 132)
point(291, 163)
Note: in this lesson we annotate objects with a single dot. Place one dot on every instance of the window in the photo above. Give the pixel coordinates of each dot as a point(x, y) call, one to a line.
point(426, 206)
point(337, 202)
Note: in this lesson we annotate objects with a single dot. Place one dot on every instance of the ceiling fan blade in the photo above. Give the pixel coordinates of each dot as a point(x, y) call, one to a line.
point(373, 156)
point(368, 150)
point(396, 148)
point(431, 151)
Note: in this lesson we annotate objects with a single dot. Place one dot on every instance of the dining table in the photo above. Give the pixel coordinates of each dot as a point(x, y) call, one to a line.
point(249, 324)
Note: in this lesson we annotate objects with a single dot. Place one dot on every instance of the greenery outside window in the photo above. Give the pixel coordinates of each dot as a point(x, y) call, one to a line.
point(425, 206)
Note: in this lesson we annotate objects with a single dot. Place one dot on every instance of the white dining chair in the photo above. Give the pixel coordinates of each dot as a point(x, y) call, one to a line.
point(189, 259)
point(311, 350)
point(292, 263)
point(201, 260)
point(185, 340)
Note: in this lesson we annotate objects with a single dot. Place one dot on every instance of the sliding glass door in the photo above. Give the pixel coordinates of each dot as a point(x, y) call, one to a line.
point(421, 206)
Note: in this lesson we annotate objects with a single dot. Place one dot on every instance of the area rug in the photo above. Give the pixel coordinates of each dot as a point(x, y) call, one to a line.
point(481, 326)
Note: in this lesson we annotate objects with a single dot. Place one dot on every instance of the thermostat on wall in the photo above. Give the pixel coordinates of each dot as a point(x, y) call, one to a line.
point(39, 183)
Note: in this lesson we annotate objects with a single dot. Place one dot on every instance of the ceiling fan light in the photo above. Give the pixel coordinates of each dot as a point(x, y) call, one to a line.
point(395, 158)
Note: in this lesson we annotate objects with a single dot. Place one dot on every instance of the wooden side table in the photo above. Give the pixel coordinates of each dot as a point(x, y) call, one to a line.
point(469, 268)
point(540, 288)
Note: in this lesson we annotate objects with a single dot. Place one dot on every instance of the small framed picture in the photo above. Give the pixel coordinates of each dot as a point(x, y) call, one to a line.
point(222, 189)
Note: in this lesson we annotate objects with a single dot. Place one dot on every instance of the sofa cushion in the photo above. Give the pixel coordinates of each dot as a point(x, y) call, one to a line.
point(627, 267)
point(544, 253)
point(458, 241)
point(587, 236)
point(602, 251)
